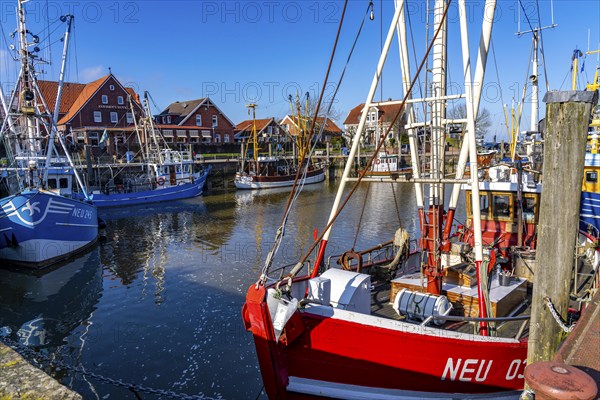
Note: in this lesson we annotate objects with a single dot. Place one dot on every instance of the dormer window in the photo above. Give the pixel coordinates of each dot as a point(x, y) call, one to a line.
point(104, 99)
point(120, 100)
point(168, 119)
point(198, 120)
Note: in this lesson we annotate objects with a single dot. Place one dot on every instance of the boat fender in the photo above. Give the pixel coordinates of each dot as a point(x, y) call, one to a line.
point(160, 180)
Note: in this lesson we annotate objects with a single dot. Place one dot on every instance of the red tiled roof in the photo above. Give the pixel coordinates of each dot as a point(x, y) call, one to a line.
point(87, 92)
point(247, 125)
point(387, 113)
point(71, 92)
point(330, 126)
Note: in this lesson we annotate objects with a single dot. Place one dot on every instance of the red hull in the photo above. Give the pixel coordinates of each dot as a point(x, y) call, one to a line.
point(329, 347)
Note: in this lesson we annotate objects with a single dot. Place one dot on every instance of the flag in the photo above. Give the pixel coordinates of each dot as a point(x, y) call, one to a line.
point(104, 138)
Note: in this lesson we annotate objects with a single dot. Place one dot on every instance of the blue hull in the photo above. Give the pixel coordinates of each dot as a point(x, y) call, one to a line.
point(38, 228)
point(179, 192)
point(589, 218)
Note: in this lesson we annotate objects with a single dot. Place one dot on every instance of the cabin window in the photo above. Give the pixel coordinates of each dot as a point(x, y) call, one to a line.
point(64, 183)
point(52, 183)
point(129, 117)
point(97, 116)
point(215, 121)
point(114, 117)
point(501, 206)
point(198, 120)
point(120, 100)
point(484, 205)
point(529, 206)
point(104, 99)
point(591, 176)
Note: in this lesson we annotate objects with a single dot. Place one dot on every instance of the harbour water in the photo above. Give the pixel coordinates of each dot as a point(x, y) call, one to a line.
point(158, 302)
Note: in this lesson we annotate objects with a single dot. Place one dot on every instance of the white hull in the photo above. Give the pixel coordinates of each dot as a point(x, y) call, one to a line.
point(247, 182)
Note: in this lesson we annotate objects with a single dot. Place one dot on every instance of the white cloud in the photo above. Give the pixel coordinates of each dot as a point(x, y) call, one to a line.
point(90, 74)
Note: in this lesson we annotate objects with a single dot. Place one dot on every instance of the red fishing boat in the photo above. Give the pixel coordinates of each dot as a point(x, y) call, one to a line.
point(438, 320)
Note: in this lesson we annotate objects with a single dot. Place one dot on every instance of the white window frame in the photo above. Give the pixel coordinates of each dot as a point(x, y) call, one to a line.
point(129, 117)
point(104, 99)
point(114, 117)
point(97, 117)
point(168, 119)
point(112, 88)
point(225, 138)
point(215, 121)
point(217, 138)
point(198, 120)
point(120, 100)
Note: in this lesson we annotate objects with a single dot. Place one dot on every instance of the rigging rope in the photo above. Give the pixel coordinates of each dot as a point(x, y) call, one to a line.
point(294, 193)
point(542, 48)
point(298, 266)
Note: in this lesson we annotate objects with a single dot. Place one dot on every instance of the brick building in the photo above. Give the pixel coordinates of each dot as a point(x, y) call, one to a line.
point(195, 122)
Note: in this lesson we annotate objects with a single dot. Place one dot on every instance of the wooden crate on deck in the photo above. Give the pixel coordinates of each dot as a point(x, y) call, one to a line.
point(464, 299)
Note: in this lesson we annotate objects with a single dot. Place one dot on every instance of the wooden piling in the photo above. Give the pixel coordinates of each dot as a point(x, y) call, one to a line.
point(567, 120)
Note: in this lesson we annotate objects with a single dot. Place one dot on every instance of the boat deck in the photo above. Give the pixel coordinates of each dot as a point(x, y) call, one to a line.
point(382, 307)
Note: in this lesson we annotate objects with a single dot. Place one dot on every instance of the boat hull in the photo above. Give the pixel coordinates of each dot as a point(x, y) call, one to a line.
point(38, 228)
point(247, 182)
point(334, 353)
point(170, 193)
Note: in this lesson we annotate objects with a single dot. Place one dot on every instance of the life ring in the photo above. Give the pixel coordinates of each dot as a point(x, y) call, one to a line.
point(160, 180)
point(377, 161)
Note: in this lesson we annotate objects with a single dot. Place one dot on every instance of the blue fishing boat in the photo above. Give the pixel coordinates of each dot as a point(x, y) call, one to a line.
point(42, 220)
point(171, 180)
point(169, 174)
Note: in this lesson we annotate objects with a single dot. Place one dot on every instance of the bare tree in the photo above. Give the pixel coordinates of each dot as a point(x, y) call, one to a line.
point(483, 122)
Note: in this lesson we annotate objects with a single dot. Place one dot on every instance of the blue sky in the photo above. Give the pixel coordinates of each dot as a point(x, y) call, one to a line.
point(260, 51)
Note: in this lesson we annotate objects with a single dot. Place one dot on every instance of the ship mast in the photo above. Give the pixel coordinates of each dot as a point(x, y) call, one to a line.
point(252, 107)
point(27, 95)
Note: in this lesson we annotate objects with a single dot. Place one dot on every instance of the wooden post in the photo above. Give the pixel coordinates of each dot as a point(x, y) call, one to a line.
point(567, 120)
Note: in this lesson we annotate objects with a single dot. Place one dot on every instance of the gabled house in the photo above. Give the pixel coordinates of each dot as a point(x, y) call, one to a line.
point(195, 121)
point(267, 130)
point(379, 119)
point(88, 111)
point(330, 130)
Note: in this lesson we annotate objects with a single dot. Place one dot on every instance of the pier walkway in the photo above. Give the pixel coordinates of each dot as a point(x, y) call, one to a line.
point(21, 380)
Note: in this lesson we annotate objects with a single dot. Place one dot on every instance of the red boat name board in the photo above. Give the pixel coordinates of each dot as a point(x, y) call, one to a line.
point(478, 370)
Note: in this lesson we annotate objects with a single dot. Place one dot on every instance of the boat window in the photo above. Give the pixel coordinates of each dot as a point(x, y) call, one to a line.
point(64, 183)
point(591, 176)
point(501, 206)
point(52, 183)
point(484, 205)
point(529, 209)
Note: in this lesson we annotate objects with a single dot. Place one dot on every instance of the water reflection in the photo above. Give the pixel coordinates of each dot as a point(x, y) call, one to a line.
point(43, 309)
point(158, 303)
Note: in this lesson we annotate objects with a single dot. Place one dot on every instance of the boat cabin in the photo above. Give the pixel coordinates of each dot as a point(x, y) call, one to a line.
point(500, 216)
